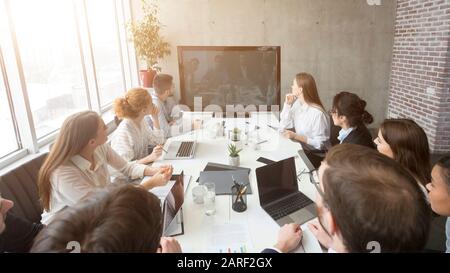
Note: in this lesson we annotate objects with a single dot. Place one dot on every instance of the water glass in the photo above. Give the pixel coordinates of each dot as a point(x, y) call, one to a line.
point(210, 196)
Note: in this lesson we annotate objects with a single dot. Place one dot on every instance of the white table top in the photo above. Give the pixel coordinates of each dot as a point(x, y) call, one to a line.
point(200, 230)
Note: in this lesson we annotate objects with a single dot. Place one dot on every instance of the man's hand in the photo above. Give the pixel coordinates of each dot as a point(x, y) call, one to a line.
point(289, 237)
point(320, 234)
point(169, 245)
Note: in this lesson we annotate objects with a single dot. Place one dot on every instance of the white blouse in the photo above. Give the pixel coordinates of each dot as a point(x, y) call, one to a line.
point(73, 180)
point(131, 142)
point(309, 121)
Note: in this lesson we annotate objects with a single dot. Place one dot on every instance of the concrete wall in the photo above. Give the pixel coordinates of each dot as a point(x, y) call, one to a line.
point(344, 44)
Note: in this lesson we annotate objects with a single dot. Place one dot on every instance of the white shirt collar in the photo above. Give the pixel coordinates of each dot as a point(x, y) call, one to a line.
point(343, 133)
point(84, 164)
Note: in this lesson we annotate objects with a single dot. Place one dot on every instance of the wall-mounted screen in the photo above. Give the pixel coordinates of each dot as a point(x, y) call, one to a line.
point(230, 75)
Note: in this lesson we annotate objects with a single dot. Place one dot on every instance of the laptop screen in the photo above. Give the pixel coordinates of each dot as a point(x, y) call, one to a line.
point(276, 180)
point(173, 202)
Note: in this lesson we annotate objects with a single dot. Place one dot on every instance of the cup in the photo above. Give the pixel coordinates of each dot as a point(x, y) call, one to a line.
point(210, 198)
point(198, 193)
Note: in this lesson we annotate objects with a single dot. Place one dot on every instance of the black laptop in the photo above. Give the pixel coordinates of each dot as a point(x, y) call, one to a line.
point(279, 195)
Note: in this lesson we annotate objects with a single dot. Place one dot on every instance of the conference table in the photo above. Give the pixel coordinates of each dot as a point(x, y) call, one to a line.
point(228, 230)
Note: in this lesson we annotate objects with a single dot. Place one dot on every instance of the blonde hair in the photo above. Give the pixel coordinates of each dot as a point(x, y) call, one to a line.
point(74, 135)
point(130, 105)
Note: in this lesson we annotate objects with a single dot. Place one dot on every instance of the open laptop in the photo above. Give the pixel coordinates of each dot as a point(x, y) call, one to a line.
point(279, 195)
point(181, 150)
point(172, 206)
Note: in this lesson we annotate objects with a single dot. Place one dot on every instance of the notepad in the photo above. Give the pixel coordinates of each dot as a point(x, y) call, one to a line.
point(224, 180)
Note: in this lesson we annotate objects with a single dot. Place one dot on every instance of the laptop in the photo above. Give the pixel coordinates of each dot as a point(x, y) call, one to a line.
point(181, 150)
point(171, 207)
point(279, 195)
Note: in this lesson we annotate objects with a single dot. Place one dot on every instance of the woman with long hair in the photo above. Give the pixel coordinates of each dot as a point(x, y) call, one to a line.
point(304, 112)
point(78, 163)
point(406, 142)
point(349, 113)
point(133, 135)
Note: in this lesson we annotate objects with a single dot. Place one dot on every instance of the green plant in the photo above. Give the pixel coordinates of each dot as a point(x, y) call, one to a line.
point(234, 151)
point(144, 33)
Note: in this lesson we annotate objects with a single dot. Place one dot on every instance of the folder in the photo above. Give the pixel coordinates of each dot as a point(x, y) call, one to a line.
point(224, 180)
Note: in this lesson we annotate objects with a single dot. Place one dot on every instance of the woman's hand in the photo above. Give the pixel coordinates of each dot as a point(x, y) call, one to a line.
point(290, 98)
point(157, 152)
point(159, 179)
point(289, 134)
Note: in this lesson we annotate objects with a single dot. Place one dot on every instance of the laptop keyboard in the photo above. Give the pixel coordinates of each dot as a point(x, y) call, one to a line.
point(185, 149)
point(288, 206)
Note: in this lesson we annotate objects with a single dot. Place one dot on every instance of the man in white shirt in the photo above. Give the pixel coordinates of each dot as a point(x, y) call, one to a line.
point(164, 87)
point(369, 205)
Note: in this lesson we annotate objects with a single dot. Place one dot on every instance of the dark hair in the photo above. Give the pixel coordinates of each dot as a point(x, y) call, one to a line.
point(353, 108)
point(374, 199)
point(444, 163)
point(308, 84)
point(409, 144)
point(162, 83)
point(118, 218)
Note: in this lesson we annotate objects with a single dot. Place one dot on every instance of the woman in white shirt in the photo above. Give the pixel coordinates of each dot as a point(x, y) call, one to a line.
point(133, 135)
point(78, 164)
point(304, 112)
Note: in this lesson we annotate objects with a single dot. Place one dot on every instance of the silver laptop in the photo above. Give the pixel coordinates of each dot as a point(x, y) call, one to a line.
point(172, 208)
point(181, 150)
point(279, 195)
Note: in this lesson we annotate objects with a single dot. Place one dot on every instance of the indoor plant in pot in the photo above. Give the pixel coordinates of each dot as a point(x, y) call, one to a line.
point(148, 43)
point(234, 155)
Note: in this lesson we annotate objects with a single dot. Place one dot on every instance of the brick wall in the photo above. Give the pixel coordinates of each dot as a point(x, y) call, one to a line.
point(420, 77)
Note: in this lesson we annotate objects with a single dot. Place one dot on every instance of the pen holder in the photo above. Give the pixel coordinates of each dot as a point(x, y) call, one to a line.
point(239, 198)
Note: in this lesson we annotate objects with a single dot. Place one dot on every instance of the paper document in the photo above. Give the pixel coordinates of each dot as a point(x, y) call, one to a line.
point(229, 238)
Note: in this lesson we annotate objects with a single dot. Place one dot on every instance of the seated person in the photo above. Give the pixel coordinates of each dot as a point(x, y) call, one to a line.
point(406, 142)
point(304, 112)
point(364, 203)
point(16, 234)
point(439, 192)
point(133, 136)
point(164, 87)
point(348, 112)
point(118, 218)
point(78, 163)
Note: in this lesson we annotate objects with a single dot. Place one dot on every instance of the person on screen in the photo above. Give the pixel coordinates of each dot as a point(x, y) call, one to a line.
point(439, 192)
point(16, 234)
point(304, 112)
point(406, 142)
point(78, 164)
point(133, 136)
point(217, 75)
point(348, 112)
point(116, 219)
point(191, 80)
point(366, 202)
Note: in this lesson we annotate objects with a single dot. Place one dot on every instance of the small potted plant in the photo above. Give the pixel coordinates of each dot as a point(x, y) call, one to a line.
point(149, 44)
point(234, 155)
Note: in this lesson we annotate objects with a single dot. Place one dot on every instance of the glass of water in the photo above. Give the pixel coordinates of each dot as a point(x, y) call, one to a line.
point(210, 196)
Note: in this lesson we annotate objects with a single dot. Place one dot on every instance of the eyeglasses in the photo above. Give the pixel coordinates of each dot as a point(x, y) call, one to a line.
point(312, 181)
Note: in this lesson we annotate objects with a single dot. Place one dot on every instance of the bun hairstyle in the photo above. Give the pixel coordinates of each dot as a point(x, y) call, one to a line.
point(132, 103)
point(352, 107)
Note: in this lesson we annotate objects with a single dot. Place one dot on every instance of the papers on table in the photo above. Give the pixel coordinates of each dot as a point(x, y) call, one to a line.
point(229, 238)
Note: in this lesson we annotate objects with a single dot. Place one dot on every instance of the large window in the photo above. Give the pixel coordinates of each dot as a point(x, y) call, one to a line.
point(106, 49)
point(58, 57)
point(51, 60)
point(9, 140)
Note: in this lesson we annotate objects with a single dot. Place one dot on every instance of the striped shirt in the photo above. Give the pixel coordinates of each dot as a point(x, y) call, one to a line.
point(74, 180)
point(131, 142)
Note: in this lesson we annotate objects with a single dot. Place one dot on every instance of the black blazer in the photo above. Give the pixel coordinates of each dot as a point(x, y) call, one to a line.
point(361, 136)
point(18, 235)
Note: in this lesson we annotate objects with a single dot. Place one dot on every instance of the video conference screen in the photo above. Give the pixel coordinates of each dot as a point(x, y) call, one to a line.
point(229, 75)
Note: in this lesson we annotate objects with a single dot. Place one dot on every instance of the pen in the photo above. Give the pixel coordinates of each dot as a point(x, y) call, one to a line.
point(262, 142)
